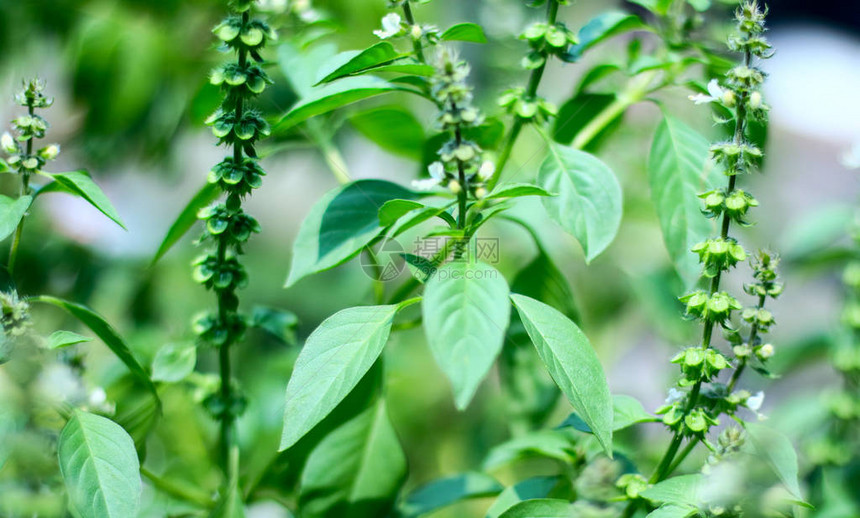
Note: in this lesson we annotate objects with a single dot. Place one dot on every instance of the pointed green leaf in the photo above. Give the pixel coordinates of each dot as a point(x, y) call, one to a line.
point(779, 453)
point(173, 362)
point(393, 210)
point(471, 32)
point(552, 444)
point(577, 112)
point(99, 467)
point(4, 167)
point(588, 204)
point(11, 213)
point(681, 491)
point(392, 128)
point(528, 489)
point(678, 172)
point(542, 280)
point(106, 333)
point(82, 185)
point(673, 511)
point(187, 218)
point(333, 360)
point(601, 27)
point(357, 61)
point(340, 224)
point(332, 96)
point(572, 363)
point(466, 314)
point(540, 508)
point(447, 491)
point(516, 190)
point(356, 471)
point(59, 339)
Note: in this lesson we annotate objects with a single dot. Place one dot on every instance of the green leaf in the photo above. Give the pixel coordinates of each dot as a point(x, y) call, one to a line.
point(418, 217)
point(301, 65)
point(627, 411)
point(340, 224)
point(99, 467)
point(393, 210)
point(278, 323)
point(530, 488)
point(4, 167)
point(357, 61)
point(229, 504)
point(173, 362)
point(601, 27)
point(106, 333)
point(700, 5)
point(332, 96)
point(465, 32)
point(681, 491)
point(465, 312)
point(572, 363)
point(540, 508)
point(589, 201)
point(11, 213)
point(678, 171)
point(577, 112)
point(673, 511)
point(187, 218)
point(81, 184)
point(392, 128)
point(516, 190)
point(447, 491)
point(779, 453)
point(552, 444)
point(356, 471)
point(333, 360)
point(59, 339)
point(659, 7)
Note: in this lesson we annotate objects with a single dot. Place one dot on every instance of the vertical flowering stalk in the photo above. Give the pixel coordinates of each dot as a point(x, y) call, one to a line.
point(546, 39)
point(690, 414)
point(20, 150)
point(227, 227)
point(460, 167)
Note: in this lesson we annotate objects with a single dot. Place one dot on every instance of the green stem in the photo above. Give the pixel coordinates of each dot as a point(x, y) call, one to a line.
point(736, 376)
point(25, 190)
point(416, 44)
point(176, 490)
point(331, 154)
point(531, 91)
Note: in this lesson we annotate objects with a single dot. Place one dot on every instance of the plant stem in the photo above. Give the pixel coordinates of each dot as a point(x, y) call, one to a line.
point(25, 190)
point(416, 44)
point(175, 490)
point(531, 92)
point(751, 340)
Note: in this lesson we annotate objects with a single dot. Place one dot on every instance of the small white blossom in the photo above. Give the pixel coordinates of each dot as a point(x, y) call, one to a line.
point(675, 395)
point(8, 143)
point(714, 89)
point(50, 152)
point(425, 184)
point(754, 402)
point(437, 171)
point(391, 26)
point(486, 171)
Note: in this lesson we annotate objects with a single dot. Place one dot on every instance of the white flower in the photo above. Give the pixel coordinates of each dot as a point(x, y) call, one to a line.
point(486, 171)
point(97, 396)
point(8, 143)
point(391, 26)
point(437, 174)
point(714, 89)
point(437, 171)
point(425, 184)
point(675, 395)
point(754, 402)
point(50, 152)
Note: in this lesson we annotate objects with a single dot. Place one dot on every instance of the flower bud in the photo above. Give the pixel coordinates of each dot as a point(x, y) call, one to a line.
point(765, 351)
point(755, 100)
point(8, 143)
point(455, 187)
point(728, 99)
point(50, 152)
point(480, 193)
point(416, 32)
